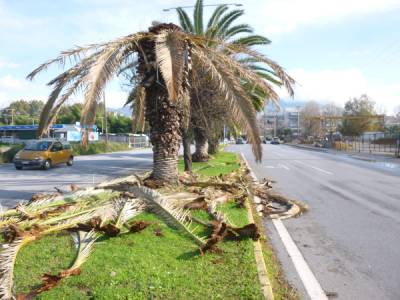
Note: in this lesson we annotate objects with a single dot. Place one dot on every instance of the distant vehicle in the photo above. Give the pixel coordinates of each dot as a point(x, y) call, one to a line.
point(44, 154)
point(240, 141)
point(275, 141)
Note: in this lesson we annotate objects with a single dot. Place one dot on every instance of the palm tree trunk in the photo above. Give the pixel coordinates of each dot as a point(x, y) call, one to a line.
point(201, 152)
point(187, 155)
point(165, 133)
point(213, 145)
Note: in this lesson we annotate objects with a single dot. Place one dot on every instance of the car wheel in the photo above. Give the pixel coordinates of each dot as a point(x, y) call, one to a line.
point(18, 167)
point(70, 161)
point(46, 165)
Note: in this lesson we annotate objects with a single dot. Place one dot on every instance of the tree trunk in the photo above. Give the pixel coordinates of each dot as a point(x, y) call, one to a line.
point(165, 133)
point(213, 145)
point(187, 155)
point(201, 152)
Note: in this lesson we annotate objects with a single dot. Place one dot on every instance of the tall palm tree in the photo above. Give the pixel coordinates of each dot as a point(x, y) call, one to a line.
point(219, 26)
point(162, 57)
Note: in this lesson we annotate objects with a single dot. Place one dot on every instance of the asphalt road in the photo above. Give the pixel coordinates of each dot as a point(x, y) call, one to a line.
point(351, 236)
point(16, 186)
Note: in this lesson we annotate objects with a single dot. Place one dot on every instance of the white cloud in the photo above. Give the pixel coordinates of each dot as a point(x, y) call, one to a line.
point(280, 16)
point(4, 64)
point(8, 82)
point(339, 85)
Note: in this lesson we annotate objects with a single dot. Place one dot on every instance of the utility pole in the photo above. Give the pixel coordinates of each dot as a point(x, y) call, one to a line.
point(105, 116)
point(275, 124)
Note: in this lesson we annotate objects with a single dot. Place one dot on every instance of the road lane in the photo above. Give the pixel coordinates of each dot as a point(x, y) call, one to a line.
point(351, 235)
point(87, 170)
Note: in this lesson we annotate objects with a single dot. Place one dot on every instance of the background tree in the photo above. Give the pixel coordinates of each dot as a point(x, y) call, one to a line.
point(24, 112)
point(310, 127)
point(359, 107)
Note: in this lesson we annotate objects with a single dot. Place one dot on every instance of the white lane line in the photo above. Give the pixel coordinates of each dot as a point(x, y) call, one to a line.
point(284, 166)
point(315, 168)
point(310, 283)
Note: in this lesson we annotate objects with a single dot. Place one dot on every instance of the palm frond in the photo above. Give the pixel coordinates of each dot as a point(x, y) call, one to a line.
point(198, 17)
point(252, 40)
point(164, 208)
point(287, 81)
point(234, 30)
point(184, 20)
point(7, 261)
point(170, 55)
point(239, 102)
point(216, 15)
point(137, 97)
point(226, 21)
point(84, 243)
point(126, 209)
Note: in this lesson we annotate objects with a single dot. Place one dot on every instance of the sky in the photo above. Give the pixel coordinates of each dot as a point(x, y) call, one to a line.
point(334, 49)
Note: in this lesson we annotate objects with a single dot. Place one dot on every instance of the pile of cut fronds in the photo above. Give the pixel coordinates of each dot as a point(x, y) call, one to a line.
point(108, 210)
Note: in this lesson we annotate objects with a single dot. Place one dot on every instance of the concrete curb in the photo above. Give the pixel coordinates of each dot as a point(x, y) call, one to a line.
point(265, 283)
point(308, 148)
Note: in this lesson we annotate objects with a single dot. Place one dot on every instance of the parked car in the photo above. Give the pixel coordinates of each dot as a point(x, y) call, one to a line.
point(44, 154)
point(275, 141)
point(240, 141)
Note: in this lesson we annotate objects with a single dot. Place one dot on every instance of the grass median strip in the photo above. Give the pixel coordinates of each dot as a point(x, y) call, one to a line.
point(159, 262)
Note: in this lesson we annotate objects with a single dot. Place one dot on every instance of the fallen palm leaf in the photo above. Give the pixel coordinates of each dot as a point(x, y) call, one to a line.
point(171, 214)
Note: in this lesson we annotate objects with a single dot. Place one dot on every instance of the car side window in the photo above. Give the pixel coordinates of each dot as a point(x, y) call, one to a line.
point(67, 146)
point(56, 147)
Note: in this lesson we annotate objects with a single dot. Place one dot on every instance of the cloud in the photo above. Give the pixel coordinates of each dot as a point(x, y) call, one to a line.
point(281, 16)
point(339, 85)
point(8, 82)
point(4, 64)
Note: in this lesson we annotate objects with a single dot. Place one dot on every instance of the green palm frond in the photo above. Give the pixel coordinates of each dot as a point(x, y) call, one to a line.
point(234, 30)
point(226, 21)
point(170, 55)
point(184, 20)
point(198, 17)
point(252, 40)
point(216, 15)
point(175, 216)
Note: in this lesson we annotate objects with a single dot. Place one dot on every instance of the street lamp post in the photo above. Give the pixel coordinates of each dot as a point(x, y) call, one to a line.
point(235, 4)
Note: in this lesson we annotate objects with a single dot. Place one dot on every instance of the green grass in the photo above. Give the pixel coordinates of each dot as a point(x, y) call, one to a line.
point(145, 266)
point(99, 147)
point(221, 163)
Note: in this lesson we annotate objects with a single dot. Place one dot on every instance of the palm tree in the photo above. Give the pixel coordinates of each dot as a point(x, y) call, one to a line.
point(219, 26)
point(162, 58)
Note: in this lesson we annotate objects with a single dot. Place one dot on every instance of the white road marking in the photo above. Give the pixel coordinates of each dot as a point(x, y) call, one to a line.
point(310, 283)
point(285, 167)
point(315, 168)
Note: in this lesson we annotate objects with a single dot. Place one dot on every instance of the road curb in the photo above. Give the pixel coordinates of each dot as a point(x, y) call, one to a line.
point(265, 283)
point(308, 148)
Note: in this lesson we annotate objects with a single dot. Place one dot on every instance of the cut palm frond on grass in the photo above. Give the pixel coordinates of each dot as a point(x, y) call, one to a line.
point(175, 216)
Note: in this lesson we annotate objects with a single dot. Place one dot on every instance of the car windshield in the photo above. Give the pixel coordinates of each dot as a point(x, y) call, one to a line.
point(38, 146)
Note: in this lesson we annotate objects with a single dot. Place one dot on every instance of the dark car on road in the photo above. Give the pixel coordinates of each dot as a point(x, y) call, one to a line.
point(275, 141)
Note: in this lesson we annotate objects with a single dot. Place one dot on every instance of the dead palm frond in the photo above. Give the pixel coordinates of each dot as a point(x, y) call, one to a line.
point(175, 216)
point(7, 262)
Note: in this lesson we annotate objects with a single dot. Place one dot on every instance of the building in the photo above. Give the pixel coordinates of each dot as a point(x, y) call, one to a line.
point(70, 132)
point(273, 121)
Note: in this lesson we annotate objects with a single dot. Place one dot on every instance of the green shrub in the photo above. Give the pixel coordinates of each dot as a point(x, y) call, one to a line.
point(99, 147)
